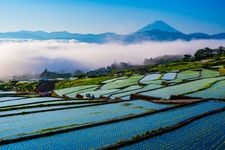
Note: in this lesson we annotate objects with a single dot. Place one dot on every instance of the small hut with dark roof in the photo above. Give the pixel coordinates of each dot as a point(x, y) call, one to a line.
point(44, 88)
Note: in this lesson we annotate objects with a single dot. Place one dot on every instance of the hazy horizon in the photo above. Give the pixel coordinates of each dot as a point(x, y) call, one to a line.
point(19, 57)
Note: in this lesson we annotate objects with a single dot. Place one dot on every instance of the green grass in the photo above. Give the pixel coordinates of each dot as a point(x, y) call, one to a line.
point(127, 93)
point(130, 88)
point(123, 83)
point(61, 92)
point(186, 75)
point(74, 94)
point(26, 86)
point(79, 82)
point(176, 66)
point(114, 79)
point(206, 73)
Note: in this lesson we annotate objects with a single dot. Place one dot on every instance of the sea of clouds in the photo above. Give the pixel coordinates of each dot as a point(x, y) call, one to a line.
point(18, 57)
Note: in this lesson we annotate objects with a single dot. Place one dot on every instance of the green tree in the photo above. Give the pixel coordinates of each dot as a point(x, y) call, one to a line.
point(187, 57)
point(204, 53)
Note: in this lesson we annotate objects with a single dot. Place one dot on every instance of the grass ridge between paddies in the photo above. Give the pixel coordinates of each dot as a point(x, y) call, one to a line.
point(116, 132)
point(216, 90)
point(34, 122)
point(205, 133)
point(128, 93)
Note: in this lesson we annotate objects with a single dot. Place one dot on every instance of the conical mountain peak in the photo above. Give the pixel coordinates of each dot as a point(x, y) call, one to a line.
point(158, 25)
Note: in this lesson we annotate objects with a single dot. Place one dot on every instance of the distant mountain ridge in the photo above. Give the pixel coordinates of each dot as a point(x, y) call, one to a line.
point(157, 31)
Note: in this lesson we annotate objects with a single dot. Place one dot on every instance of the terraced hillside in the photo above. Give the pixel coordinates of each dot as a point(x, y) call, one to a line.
point(134, 112)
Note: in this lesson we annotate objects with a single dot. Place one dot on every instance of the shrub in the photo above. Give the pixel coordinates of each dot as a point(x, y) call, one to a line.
point(221, 71)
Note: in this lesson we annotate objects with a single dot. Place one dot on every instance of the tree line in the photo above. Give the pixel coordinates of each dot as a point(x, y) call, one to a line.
point(206, 53)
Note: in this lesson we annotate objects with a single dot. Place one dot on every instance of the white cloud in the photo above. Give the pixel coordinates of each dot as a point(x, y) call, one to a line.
point(23, 57)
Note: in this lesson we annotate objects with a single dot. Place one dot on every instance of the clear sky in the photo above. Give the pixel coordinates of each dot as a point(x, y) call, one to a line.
point(120, 16)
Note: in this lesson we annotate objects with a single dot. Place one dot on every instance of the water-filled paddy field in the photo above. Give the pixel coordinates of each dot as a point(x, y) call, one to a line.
point(107, 116)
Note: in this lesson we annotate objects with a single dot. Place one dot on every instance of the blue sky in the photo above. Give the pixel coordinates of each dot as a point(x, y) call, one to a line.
point(120, 16)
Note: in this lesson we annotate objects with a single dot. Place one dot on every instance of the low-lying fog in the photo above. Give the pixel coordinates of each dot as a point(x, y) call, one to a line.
point(30, 57)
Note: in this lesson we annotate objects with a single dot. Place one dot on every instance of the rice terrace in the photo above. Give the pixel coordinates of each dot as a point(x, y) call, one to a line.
point(67, 90)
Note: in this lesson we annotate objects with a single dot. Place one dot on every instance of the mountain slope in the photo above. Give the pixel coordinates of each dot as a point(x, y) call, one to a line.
point(155, 35)
point(158, 25)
